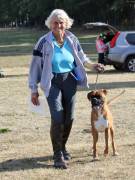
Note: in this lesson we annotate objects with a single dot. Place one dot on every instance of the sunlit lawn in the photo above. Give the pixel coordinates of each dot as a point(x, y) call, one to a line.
point(13, 42)
point(21, 41)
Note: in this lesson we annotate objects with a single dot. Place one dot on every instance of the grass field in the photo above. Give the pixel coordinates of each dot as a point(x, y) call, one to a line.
point(26, 152)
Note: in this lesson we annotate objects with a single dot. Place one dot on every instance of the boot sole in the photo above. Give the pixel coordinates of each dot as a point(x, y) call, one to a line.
point(60, 167)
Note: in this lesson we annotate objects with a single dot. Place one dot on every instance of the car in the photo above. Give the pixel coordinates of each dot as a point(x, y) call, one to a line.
point(121, 47)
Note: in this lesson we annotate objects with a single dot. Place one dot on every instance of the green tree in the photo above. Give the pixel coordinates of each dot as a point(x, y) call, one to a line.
point(35, 12)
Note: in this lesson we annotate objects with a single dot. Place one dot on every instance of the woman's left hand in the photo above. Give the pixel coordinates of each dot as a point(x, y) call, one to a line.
point(94, 66)
point(99, 67)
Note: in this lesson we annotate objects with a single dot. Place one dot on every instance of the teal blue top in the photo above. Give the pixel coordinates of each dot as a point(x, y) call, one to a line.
point(63, 60)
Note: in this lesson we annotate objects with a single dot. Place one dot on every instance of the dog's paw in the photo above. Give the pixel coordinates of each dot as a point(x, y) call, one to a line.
point(115, 154)
point(95, 159)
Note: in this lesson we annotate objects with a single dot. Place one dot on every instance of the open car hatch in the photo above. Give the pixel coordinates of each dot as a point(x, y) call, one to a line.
point(91, 25)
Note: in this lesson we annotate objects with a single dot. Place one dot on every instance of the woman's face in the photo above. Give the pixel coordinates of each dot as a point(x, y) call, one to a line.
point(58, 25)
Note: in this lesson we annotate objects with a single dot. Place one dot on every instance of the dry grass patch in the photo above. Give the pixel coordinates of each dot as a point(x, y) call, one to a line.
point(26, 151)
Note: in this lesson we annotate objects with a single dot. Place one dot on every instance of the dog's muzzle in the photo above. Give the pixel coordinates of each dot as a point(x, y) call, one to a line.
point(96, 101)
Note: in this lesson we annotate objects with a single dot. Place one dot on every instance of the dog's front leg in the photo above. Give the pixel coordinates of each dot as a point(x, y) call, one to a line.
point(95, 139)
point(106, 141)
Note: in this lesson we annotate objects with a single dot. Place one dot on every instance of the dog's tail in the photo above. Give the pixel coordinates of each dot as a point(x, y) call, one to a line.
point(114, 98)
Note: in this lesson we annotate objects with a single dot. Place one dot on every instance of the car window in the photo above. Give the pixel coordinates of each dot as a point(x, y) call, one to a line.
point(131, 38)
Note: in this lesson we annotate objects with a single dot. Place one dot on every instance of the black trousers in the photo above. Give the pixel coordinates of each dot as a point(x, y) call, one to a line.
point(101, 58)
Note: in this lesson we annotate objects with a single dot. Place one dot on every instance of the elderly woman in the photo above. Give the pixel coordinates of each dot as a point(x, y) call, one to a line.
point(58, 65)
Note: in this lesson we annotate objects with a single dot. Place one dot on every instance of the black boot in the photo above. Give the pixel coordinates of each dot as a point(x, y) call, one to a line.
point(67, 129)
point(56, 132)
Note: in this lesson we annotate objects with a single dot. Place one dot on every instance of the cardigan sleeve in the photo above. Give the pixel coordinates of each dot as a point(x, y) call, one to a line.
point(36, 66)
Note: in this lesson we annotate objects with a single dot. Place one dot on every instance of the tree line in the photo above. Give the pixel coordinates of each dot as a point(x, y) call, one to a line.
point(33, 12)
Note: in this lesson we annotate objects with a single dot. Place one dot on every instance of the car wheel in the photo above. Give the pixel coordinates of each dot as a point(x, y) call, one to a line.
point(118, 67)
point(130, 64)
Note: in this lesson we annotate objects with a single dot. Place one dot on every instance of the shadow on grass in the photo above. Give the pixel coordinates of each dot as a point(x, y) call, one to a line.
point(26, 163)
point(15, 75)
point(84, 159)
point(114, 85)
point(109, 71)
point(15, 53)
point(111, 85)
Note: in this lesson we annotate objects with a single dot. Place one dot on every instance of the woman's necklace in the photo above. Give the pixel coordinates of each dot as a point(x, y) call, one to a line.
point(59, 39)
point(60, 43)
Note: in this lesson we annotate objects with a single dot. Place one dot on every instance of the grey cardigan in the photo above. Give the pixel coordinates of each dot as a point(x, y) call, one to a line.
point(41, 66)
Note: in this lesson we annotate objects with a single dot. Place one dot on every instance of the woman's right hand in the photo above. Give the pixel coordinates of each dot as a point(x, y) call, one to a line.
point(34, 98)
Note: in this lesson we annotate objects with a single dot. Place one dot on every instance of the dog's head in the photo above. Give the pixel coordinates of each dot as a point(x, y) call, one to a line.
point(97, 98)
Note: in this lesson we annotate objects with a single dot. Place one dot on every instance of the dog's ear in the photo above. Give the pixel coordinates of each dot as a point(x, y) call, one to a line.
point(105, 91)
point(89, 95)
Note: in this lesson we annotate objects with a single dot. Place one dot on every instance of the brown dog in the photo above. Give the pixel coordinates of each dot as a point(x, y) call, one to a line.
point(101, 120)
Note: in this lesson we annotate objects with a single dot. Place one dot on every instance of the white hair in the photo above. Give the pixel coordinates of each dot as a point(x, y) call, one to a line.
point(60, 14)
